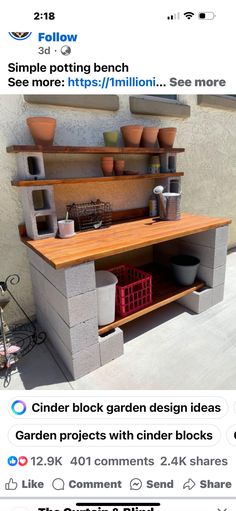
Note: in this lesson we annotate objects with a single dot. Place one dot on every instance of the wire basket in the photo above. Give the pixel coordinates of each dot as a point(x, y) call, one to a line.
point(134, 289)
point(90, 215)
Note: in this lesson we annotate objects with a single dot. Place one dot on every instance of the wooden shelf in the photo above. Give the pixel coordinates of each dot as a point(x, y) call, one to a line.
point(165, 291)
point(89, 150)
point(101, 179)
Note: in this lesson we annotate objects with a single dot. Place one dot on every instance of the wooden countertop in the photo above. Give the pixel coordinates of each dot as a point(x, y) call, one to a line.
point(122, 237)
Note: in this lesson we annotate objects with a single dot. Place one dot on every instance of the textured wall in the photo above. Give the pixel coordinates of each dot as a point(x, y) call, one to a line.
point(209, 164)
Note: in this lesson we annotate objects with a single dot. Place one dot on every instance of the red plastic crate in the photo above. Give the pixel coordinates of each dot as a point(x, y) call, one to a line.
point(134, 289)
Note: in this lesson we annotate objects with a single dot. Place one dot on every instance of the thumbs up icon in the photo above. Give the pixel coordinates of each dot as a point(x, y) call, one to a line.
point(11, 485)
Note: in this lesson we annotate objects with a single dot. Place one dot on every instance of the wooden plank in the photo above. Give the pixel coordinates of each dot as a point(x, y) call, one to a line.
point(90, 150)
point(101, 179)
point(129, 214)
point(118, 238)
point(165, 291)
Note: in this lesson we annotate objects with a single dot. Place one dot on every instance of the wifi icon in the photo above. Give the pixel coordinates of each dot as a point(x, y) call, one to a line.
point(189, 15)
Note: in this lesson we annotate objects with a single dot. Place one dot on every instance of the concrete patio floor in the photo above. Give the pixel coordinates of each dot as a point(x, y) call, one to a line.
point(169, 349)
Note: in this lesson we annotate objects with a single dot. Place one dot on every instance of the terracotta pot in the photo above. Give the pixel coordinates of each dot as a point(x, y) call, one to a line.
point(149, 137)
point(111, 138)
point(107, 165)
point(132, 135)
point(42, 129)
point(119, 167)
point(166, 137)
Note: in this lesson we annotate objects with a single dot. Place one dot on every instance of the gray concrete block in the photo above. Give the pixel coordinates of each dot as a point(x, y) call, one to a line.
point(71, 281)
point(76, 338)
point(217, 294)
point(86, 361)
point(36, 203)
point(30, 166)
point(73, 310)
point(198, 301)
point(211, 238)
point(210, 257)
point(212, 276)
point(111, 346)
point(32, 215)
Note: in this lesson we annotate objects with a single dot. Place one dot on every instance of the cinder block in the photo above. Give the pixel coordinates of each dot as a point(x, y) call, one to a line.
point(211, 238)
point(210, 257)
point(36, 231)
point(198, 301)
point(31, 215)
point(76, 338)
point(73, 310)
point(86, 361)
point(38, 199)
point(217, 294)
point(30, 166)
point(71, 281)
point(111, 346)
point(212, 276)
point(168, 162)
point(174, 184)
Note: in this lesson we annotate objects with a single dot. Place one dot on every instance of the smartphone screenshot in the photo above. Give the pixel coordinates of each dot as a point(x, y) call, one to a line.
point(118, 262)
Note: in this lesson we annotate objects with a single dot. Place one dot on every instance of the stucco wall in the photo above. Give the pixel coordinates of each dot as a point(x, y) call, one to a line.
point(209, 164)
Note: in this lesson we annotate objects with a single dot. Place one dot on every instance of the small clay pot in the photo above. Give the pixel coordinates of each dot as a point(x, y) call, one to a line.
point(166, 137)
point(119, 167)
point(111, 138)
point(149, 137)
point(107, 165)
point(42, 129)
point(132, 135)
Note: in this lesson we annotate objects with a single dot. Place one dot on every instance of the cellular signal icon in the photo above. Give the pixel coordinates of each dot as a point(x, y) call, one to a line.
point(175, 16)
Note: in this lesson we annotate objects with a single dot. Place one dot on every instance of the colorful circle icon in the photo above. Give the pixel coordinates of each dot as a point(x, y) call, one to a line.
point(18, 407)
point(20, 36)
point(22, 461)
point(12, 461)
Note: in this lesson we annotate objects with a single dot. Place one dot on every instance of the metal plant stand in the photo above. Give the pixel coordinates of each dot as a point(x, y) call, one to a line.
point(18, 340)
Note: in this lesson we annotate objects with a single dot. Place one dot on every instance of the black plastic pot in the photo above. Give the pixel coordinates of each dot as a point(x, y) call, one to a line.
point(185, 268)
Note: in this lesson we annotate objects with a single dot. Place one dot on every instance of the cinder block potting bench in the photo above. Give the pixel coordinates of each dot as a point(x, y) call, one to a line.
point(63, 272)
point(63, 276)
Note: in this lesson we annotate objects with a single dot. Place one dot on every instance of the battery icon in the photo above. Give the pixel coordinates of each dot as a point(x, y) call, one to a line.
point(206, 15)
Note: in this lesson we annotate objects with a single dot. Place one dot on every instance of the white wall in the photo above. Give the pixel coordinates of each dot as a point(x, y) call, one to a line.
point(209, 164)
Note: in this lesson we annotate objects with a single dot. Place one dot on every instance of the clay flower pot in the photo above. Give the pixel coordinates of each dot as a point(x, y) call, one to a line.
point(119, 167)
point(111, 138)
point(42, 129)
point(107, 165)
point(149, 137)
point(132, 135)
point(166, 137)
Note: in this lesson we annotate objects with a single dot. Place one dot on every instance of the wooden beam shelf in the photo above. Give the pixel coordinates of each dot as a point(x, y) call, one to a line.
point(165, 290)
point(97, 179)
point(90, 150)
